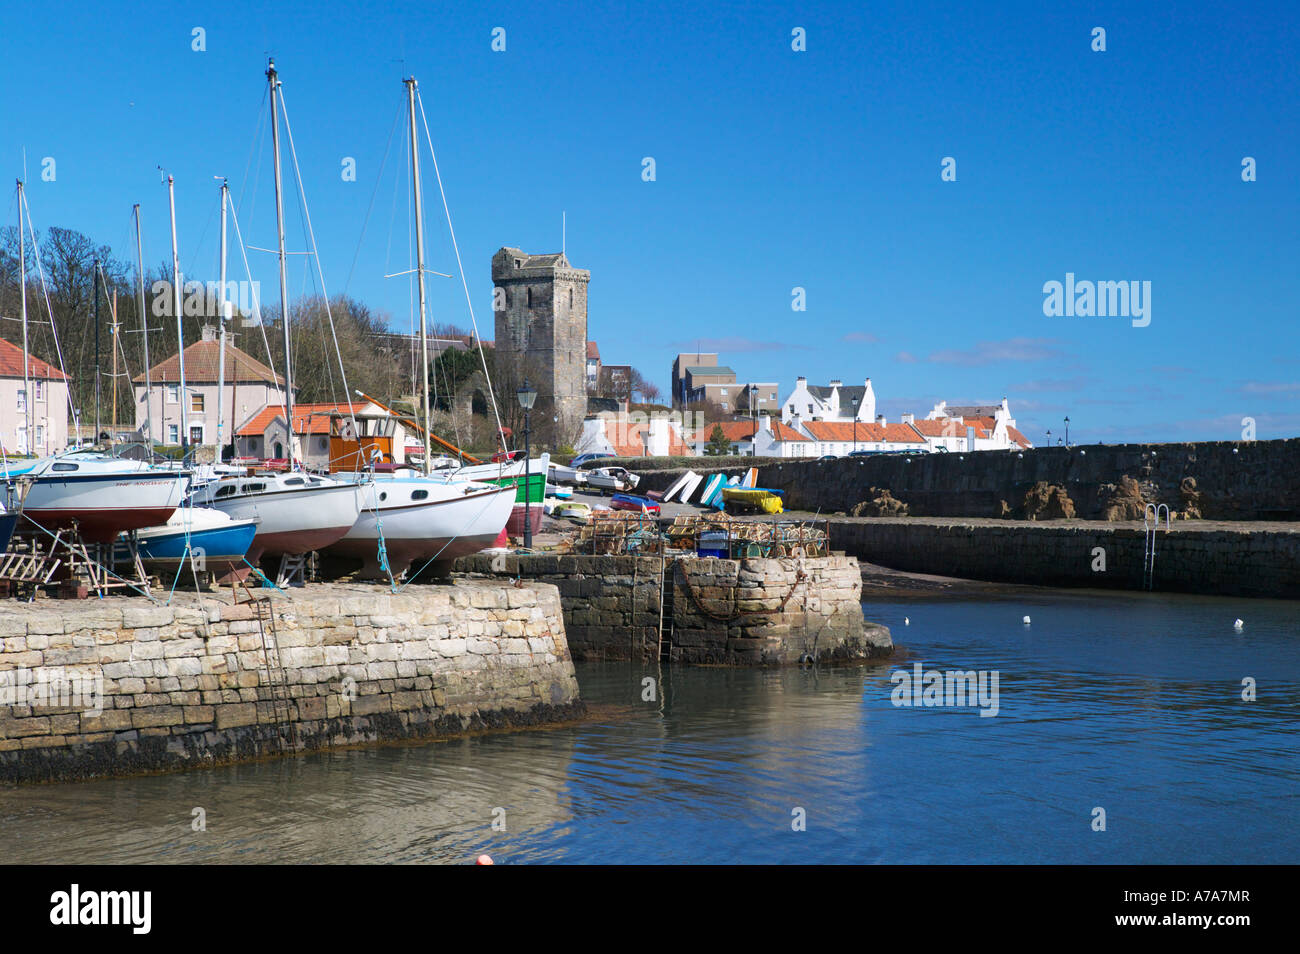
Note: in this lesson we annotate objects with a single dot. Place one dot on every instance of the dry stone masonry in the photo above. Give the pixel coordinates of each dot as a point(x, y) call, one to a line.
point(751, 612)
point(123, 686)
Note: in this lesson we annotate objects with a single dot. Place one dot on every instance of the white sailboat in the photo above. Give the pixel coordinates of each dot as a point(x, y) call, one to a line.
point(97, 494)
point(296, 512)
point(423, 518)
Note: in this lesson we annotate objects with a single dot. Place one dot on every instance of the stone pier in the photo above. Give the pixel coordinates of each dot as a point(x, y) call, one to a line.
point(750, 612)
point(119, 686)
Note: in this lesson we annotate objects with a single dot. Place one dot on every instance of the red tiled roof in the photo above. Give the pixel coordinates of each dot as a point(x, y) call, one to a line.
point(950, 427)
point(308, 418)
point(734, 431)
point(863, 432)
point(1017, 437)
point(593, 353)
point(201, 365)
point(11, 364)
point(784, 432)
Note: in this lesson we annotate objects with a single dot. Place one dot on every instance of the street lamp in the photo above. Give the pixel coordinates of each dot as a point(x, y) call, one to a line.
point(1067, 431)
point(1049, 437)
point(527, 397)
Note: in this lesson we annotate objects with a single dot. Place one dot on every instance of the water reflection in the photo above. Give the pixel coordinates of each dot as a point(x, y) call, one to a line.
point(1124, 701)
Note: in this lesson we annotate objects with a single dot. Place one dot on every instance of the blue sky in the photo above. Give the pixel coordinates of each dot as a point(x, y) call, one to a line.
point(775, 169)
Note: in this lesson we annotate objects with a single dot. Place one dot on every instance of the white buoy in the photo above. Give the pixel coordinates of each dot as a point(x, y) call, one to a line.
point(906, 621)
point(1026, 620)
point(1238, 625)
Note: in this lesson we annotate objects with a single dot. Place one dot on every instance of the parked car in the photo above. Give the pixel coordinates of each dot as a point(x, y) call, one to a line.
point(587, 458)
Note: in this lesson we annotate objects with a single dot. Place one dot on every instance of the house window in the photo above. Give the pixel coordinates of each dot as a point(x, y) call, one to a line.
point(810, 409)
point(40, 435)
point(40, 392)
point(196, 434)
point(196, 403)
point(173, 434)
point(22, 400)
point(173, 393)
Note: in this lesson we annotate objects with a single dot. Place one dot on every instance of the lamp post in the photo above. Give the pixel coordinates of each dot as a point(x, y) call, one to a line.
point(527, 396)
point(1049, 437)
point(1067, 430)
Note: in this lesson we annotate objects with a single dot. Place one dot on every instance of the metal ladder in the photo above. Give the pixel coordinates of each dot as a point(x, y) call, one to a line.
point(666, 591)
point(280, 703)
point(1149, 548)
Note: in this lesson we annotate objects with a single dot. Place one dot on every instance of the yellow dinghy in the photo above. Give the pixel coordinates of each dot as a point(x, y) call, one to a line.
point(752, 498)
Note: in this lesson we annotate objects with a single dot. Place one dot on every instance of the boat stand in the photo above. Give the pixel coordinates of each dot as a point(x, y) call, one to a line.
point(293, 570)
point(24, 570)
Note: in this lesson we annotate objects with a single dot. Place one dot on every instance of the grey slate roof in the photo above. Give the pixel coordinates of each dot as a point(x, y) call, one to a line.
point(850, 395)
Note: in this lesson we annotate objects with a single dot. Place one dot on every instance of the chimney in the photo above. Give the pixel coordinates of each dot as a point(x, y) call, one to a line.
point(880, 419)
point(909, 418)
point(800, 380)
point(837, 383)
point(209, 332)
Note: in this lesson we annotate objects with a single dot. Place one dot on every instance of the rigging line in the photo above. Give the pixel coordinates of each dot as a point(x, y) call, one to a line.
point(45, 292)
point(456, 246)
point(373, 194)
point(316, 257)
point(256, 143)
point(257, 306)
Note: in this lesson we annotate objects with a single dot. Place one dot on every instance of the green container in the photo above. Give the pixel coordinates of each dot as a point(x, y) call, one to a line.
point(535, 492)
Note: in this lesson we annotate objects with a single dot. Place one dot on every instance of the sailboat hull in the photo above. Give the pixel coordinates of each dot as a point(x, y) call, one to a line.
point(295, 521)
point(103, 505)
point(446, 524)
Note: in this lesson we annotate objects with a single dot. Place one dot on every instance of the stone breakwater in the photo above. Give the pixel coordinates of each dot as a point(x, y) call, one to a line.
point(121, 686)
point(1243, 559)
point(751, 612)
point(1215, 480)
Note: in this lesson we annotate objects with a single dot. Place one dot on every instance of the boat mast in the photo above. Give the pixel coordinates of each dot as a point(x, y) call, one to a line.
point(222, 306)
point(95, 275)
point(144, 329)
point(22, 296)
point(419, 266)
point(273, 78)
point(180, 331)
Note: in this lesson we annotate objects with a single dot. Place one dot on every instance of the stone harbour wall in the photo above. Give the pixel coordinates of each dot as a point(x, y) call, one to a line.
point(1220, 480)
point(1246, 559)
point(122, 686)
point(751, 612)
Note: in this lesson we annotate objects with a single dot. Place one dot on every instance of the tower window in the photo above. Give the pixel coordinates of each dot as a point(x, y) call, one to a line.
point(530, 298)
point(571, 299)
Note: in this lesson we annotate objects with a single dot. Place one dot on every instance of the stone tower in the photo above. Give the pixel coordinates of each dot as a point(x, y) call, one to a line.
point(540, 302)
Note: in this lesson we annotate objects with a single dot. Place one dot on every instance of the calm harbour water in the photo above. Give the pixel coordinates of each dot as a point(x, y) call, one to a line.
point(1128, 702)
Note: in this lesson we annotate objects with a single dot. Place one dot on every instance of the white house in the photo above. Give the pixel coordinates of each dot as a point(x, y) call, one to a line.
point(45, 410)
point(761, 438)
point(250, 386)
point(834, 402)
point(633, 435)
point(838, 438)
point(987, 427)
